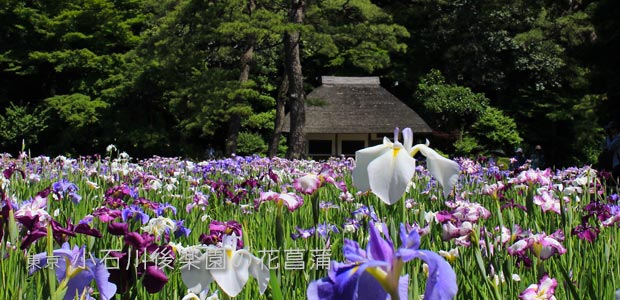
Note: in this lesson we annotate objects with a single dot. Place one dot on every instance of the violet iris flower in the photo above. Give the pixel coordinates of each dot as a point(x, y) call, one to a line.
point(200, 199)
point(181, 230)
point(79, 271)
point(365, 211)
point(303, 233)
point(64, 188)
point(374, 273)
point(324, 229)
point(163, 207)
point(136, 212)
point(321, 229)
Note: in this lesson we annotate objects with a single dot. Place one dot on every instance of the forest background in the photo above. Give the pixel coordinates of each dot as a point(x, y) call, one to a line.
point(178, 77)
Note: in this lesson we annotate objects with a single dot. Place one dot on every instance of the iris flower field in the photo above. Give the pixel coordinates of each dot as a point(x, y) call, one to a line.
point(382, 226)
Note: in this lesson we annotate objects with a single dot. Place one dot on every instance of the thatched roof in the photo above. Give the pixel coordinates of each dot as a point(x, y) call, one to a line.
point(357, 105)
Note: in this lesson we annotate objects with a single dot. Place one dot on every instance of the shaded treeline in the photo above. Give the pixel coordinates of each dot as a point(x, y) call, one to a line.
point(180, 77)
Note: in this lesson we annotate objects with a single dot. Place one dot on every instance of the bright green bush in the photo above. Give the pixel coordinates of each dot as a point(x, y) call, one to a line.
point(495, 130)
point(249, 143)
point(18, 125)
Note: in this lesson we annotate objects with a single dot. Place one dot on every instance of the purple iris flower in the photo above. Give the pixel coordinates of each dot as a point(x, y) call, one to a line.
point(118, 228)
point(321, 229)
point(162, 208)
point(64, 188)
point(303, 233)
point(586, 232)
point(181, 230)
point(4, 215)
point(135, 212)
point(120, 192)
point(87, 219)
point(365, 211)
point(351, 225)
point(324, 229)
point(200, 200)
point(138, 241)
point(84, 228)
point(227, 228)
point(345, 281)
point(327, 205)
point(152, 277)
point(80, 270)
point(61, 234)
point(106, 215)
point(146, 203)
point(33, 236)
point(374, 273)
point(8, 172)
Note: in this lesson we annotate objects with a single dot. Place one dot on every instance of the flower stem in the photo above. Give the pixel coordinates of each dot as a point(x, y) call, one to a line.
point(51, 275)
point(13, 234)
point(279, 228)
point(315, 208)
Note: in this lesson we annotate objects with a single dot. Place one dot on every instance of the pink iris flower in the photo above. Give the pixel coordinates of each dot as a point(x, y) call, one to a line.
point(311, 182)
point(542, 245)
point(546, 201)
point(544, 290)
point(291, 200)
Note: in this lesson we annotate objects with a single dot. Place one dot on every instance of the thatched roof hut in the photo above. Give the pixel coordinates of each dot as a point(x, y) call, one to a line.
point(346, 114)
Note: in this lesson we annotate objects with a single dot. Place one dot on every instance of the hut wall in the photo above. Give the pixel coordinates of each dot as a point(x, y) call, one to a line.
point(324, 145)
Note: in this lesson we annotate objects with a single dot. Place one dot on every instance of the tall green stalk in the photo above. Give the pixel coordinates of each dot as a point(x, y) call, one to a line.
point(51, 275)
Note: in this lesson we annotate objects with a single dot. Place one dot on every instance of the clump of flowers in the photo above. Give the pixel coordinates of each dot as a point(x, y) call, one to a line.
point(375, 273)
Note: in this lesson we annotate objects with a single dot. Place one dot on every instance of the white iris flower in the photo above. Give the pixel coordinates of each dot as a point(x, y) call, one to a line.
point(388, 168)
point(238, 266)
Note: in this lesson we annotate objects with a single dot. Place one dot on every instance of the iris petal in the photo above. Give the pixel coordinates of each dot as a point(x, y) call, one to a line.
point(234, 275)
point(411, 240)
point(390, 174)
point(77, 284)
point(105, 287)
point(407, 139)
point(196, 276)
point(362, 159)
point(441, 282)
point(321, 290)
point(445, 171)
point(259, 271)
point(352, 251)
point(378, 248)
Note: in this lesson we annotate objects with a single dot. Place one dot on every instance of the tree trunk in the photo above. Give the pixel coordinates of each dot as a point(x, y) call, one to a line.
point(279, 121)
point(234, 124)
point(296, 140)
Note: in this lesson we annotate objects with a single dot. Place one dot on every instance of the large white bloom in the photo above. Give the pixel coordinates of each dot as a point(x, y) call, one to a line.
point(238, 265)
point(387, 169)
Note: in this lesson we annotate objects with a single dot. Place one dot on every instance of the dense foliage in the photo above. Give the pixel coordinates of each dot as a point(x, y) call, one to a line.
point(167, 77)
